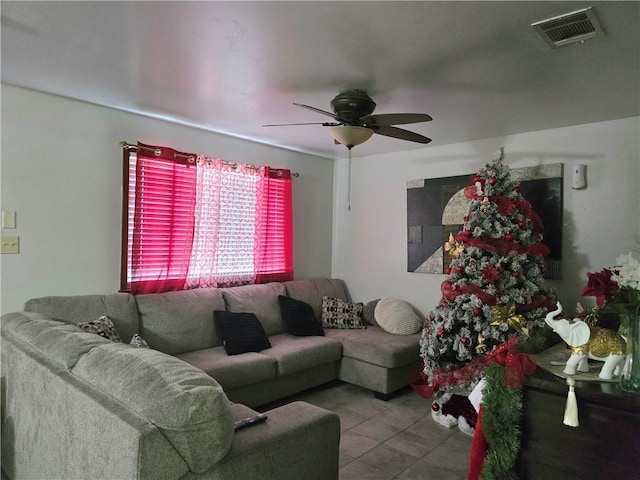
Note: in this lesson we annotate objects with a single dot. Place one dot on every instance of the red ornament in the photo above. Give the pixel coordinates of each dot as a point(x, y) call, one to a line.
point(464, 340)
point(522, 224)
point(515, 274)
point(477, 311)
point(435, 407)
point(508, 237)
point(447, 270)
point(493, 180)
point(459, 269)
point(439, 333)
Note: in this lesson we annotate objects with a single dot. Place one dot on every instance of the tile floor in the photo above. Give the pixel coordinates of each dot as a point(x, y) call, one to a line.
point(389, 440)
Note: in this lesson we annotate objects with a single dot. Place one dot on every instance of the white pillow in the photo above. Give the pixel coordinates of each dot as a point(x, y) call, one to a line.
point(397, 316)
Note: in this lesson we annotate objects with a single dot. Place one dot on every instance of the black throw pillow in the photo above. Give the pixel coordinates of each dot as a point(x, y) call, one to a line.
point(240, 332)
point(299, 318)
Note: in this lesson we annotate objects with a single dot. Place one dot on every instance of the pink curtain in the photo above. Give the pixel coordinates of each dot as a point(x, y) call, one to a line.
point(274, 227)
point(163, 219)
point(201, 222)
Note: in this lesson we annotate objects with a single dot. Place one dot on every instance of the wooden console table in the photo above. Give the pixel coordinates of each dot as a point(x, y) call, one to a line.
point(606, 445)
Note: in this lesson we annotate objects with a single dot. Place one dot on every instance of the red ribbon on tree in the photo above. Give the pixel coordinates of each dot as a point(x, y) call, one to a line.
point(517, 366)
point(502, 245)
point(450, 292)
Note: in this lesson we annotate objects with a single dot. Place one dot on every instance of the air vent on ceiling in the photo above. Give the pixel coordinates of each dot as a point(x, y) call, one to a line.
point(569, 28)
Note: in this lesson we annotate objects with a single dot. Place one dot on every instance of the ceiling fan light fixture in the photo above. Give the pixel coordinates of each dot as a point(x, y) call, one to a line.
point(350, 136)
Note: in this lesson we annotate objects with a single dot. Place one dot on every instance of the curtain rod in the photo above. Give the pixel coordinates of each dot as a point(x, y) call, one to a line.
point(156, 152)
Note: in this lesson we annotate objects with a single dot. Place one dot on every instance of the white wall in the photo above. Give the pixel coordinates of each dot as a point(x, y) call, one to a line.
point(61, 172)
point(600, 222)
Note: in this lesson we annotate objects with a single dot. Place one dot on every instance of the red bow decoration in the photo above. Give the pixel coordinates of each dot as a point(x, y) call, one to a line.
point(471, 192)
point(517, 365)
point(505, 205)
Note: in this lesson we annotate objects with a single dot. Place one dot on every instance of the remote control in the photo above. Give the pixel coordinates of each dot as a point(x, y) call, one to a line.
point(261, 417)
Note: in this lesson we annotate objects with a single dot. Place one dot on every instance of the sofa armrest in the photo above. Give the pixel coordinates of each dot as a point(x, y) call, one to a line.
point(298, 440)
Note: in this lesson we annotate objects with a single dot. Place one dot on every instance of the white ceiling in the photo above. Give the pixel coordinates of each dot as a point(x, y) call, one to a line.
point(478, 68)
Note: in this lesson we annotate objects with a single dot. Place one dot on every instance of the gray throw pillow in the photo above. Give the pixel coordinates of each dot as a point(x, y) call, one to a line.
point(369, 312)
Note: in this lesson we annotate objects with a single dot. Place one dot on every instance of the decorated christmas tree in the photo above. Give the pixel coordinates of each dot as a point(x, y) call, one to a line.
point(492, 299)
point(493, 289)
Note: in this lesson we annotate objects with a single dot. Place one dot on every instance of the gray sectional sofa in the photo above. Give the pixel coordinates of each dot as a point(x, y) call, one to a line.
point(76, 405)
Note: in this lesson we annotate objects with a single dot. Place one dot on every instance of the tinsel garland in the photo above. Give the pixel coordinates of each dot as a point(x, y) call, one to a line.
point(502, 411)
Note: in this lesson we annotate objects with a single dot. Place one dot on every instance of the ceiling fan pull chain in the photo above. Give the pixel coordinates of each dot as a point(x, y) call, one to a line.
point(349, 180)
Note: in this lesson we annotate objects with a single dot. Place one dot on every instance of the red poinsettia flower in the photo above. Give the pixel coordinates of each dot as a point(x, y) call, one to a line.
point(490, 273)
point(600, 286)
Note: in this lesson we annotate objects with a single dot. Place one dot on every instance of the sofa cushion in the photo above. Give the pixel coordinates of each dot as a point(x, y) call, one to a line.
point(337, 313)
point(378, 347)
point(312, 290)
point(102, 326)
point(240, 332)
point(232, 371)
point(294, 354)
point(119, 307)
point(299, 318)
point(179, 322)
point(397, 316)
point(187, 405)
point(262, 300)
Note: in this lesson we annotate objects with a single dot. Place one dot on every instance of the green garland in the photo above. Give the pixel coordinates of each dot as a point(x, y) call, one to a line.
point(501, 413)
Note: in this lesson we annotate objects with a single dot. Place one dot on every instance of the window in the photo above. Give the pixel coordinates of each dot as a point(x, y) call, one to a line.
point(191, 221)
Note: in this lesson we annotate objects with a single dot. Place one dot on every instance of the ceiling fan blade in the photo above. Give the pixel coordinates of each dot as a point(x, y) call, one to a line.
point(401, 134)
point(386, 119)
point(318, 110)
point(324, 124)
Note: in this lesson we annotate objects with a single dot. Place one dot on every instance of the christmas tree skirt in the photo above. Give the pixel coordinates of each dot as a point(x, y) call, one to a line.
point(553, 360)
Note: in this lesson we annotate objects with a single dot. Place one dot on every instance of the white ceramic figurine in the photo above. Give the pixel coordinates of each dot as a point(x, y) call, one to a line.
point(589, 343)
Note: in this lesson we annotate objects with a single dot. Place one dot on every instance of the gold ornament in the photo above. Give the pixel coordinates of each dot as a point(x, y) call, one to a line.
point(507, 314)
point(472, 264)
point(453, 248)
point(484, 205)
point(481, 348)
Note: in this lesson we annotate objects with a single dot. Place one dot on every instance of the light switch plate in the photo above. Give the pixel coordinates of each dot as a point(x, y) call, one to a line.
point(8, 219)
point(10, 244)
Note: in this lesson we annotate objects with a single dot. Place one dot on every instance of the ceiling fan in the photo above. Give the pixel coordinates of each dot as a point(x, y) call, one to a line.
point(354, 123)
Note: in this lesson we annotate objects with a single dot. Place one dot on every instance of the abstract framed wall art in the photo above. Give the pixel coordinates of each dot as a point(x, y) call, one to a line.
point(436, 208)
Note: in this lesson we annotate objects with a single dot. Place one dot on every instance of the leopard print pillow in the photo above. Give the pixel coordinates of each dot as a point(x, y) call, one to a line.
point(104, 327)
point(138, 342)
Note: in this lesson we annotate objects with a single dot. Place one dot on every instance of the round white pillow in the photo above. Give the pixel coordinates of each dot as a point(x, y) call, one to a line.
point(397, 316)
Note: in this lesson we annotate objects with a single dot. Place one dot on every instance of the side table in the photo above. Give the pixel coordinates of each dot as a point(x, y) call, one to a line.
point(606, 445)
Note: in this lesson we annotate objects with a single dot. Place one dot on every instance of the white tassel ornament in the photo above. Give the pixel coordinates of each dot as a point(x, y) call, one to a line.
point(571, 410)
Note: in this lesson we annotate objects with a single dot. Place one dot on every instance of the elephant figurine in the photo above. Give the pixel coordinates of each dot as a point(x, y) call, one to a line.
point(586, 342)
